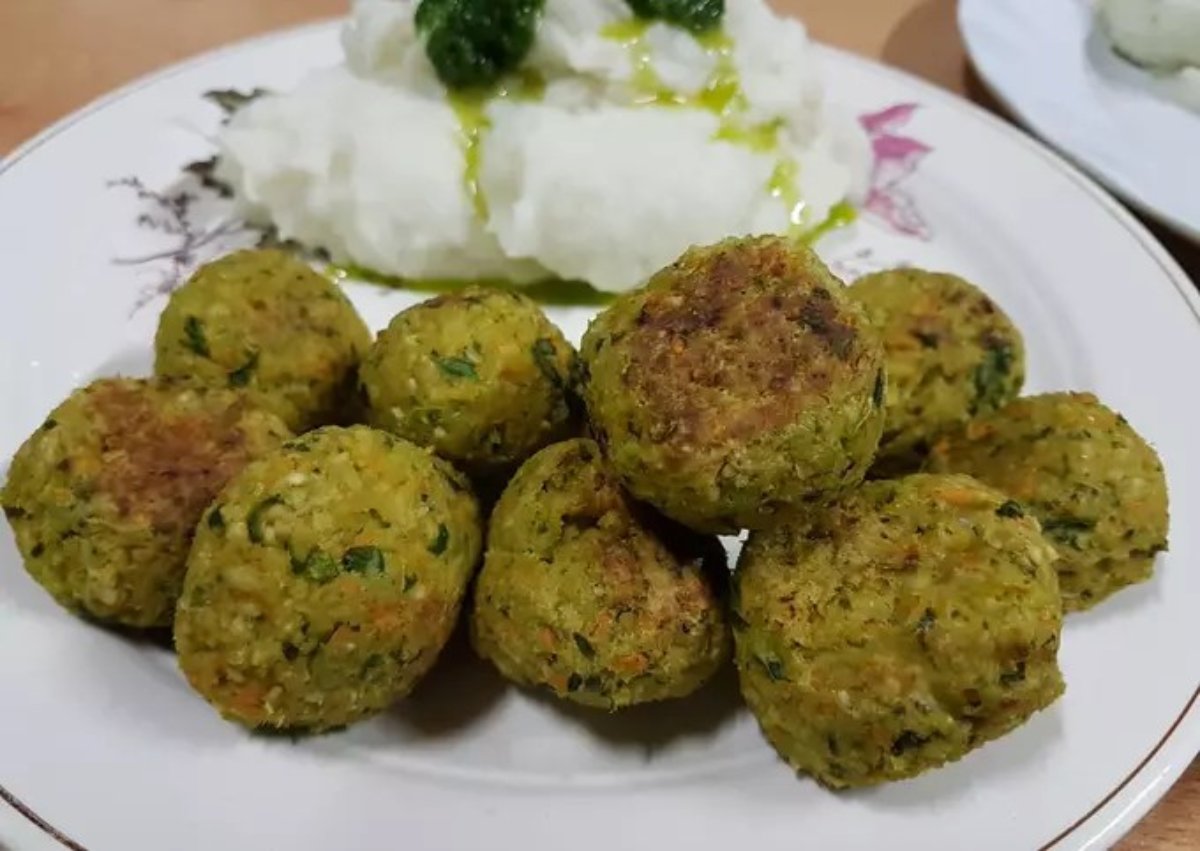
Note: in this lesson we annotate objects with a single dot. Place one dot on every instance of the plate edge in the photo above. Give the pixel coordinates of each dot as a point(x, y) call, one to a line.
point(1124, 820)
point(1183, 284)
point(155, 75)
point(996, 90)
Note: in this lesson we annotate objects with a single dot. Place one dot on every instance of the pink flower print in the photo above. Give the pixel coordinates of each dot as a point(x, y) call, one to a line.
point(896, 157)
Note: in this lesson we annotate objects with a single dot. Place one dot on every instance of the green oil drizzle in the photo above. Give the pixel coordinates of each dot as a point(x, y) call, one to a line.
point(841, 215)
point(724, 97)
point(550, 291)
point(649, 88)
point(626, 32)
point(722, 94)
point(470, 108)
point(783, 185)
point(471, 111)
point(761, 138)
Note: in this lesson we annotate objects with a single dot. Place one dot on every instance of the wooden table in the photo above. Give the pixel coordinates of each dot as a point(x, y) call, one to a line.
point(55, 55)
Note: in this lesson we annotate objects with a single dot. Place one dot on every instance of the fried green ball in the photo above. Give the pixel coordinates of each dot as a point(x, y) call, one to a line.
point(480, 376)
point(266, 322)
point(596, 598)
point(951, 354)
point(1097, 488)
point(104, 497)
point(896, 628)
point(740, 381)
point(325, 580)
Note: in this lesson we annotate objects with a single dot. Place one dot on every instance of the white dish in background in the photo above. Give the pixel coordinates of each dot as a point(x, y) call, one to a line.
point(103, 739)
point(1050, 63)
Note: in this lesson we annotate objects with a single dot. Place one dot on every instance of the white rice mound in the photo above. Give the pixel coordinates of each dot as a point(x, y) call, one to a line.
point(367, 160)
point(1160, 35)
point(1163, 34)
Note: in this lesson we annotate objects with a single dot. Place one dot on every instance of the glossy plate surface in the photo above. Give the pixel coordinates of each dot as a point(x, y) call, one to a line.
point(1051, 65)
point(103, 740)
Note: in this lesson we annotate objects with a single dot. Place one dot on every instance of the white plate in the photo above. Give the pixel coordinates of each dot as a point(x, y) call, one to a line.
point(1053, 68)
point(102, 738)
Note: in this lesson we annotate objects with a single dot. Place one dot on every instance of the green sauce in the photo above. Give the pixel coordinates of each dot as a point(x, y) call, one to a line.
point(841, 215)
point(471, 111)
point(722, 94)
point(551, 291)
point(627, 32)
point(470, 108)
point(783, 185)
point(649, 88)
point(724, 97)
point(761, 138)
